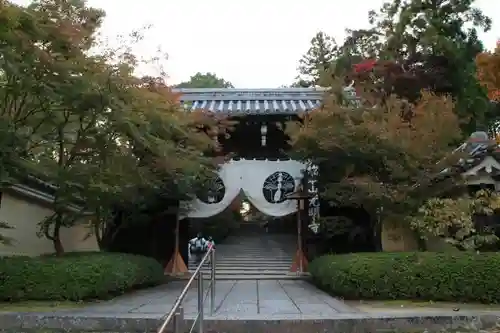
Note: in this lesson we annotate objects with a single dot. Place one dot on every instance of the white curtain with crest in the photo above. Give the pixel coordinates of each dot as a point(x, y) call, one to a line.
point(223, 191)
point(265, 184)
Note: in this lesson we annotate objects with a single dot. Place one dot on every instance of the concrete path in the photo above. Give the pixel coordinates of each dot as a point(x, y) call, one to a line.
point(234, 300)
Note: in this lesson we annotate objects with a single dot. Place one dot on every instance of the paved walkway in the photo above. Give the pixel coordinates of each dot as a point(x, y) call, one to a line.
point(234, 300)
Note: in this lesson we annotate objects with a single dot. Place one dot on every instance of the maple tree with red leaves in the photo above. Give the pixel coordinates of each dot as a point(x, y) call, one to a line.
point(383, 78)
point(413, 45)
point(364, 66)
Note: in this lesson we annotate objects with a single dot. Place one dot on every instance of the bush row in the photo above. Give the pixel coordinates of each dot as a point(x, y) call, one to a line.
point(462, 276)
point(76, 276)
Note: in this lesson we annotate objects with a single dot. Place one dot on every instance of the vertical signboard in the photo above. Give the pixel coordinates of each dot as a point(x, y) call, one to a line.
point(312, 189)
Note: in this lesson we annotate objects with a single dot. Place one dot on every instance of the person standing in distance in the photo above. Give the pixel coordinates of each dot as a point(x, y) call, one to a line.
point(198, 246)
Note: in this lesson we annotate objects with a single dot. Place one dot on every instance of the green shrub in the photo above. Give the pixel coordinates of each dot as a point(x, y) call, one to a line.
point(76, 276)
point(462, 276)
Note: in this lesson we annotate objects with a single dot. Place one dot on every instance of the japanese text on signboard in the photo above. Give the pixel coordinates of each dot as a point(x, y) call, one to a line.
point(312, 189)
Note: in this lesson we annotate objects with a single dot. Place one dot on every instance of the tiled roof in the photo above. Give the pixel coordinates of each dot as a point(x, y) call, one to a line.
point(252, 101)
point(476, 148)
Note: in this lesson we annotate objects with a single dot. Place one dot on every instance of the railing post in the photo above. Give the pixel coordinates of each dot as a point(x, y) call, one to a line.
point(200, 302)
point(178, 320)
point(212, 283)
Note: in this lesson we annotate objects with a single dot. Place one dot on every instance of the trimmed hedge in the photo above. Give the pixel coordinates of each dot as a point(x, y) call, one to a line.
point(457, 277)
point(76, 276)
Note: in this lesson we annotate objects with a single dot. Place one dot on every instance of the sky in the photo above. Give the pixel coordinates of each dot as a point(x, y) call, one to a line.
point(251, 43)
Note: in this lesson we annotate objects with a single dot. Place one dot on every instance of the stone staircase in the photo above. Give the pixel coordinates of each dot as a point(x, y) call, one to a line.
point(253, 254)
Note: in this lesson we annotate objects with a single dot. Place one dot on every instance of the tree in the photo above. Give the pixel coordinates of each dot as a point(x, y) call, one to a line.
point(363, 44)
point(85, 123)
point(429, 42)
point(381, 154)
point(318, 61)
point(205, 80)
point(358, 46)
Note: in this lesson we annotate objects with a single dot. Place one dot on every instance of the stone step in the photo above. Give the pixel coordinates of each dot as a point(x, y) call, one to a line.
point(252, 256)
point(282, 276)
point(264, 251)
point(243, 249)
point(252, 264)
point(239, 264)
point(273, 256)
point(247, 269)
point(257, 241)
point(239, 253)
point(239, 272)
point(249, 261)
point(252, 260)
point(242, 266)
point(219, 272)
point(230, 263)
point(268, 250)
point(244, 269)
point(223, 265)
point(255, 248)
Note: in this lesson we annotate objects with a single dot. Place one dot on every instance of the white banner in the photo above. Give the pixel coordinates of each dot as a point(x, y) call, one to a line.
point(220, 194)
point(265, 184)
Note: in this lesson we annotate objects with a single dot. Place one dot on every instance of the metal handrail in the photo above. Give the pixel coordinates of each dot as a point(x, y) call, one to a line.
point(176, 314)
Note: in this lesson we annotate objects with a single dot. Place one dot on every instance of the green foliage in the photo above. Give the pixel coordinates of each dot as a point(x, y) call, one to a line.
point(437, 42)
point(454, 220)
point(84, 122)
point(454, 277)
point(382, 154)
point(205, 80)
point(416, 44)
point(317, 63)
point(76, 276)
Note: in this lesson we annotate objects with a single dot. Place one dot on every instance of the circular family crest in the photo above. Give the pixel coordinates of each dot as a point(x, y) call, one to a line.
point(213, 191)
point(277, 186)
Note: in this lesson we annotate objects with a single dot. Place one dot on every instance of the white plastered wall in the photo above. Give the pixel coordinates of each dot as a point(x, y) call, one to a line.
point(23, 215)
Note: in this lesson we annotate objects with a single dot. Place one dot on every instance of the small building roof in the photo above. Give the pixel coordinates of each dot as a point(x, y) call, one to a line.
point(278, 101)
point(480, 154)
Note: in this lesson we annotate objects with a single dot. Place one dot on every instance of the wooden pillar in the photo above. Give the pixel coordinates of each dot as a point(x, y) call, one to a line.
point(300, 263)
point(176, 265)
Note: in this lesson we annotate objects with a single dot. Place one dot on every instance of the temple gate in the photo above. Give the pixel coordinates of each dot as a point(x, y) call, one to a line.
point(260, 167)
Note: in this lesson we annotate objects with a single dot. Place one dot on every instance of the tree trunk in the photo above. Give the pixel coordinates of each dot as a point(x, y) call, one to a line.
point(56, 236)
point(58, 247)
